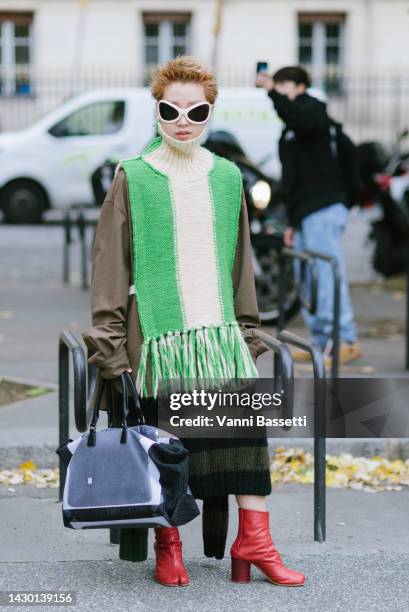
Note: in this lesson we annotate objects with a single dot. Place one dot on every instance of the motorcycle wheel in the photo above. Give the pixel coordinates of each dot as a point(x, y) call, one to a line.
point(265, 263)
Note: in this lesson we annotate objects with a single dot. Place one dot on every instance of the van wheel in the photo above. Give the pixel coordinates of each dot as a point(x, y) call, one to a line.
point(23, 202)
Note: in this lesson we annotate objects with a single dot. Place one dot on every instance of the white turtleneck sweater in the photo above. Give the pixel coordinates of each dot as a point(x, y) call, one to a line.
point(187, 164)
point(180, 159)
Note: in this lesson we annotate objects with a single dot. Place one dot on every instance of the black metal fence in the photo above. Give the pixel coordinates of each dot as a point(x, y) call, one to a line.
point(84, 376)
point(372, 107)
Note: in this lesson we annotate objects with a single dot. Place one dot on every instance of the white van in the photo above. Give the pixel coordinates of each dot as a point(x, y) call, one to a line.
point(49, 164)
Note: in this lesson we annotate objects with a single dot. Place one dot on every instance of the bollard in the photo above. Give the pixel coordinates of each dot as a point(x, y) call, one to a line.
point(66, 245)
point(84, 255)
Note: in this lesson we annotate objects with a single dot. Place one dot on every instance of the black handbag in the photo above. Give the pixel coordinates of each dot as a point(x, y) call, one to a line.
point(125, 476)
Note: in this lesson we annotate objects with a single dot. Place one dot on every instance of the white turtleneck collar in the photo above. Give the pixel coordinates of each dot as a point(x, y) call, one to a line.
point(181, 159)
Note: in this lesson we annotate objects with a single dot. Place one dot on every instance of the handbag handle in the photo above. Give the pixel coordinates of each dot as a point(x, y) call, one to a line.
point(126, 379)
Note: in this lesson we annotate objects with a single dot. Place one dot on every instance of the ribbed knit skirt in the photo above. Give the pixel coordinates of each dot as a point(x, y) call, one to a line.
point(222, 466)
point(217, 467)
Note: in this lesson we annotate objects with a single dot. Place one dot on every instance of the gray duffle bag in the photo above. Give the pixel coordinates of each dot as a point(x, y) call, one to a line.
point(125, 476)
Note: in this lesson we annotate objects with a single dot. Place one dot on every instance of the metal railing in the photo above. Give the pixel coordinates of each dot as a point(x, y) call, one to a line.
point(319, 428)
point(286, 378)
point(372, 106)
point(407, 322)
point(81, 222)
point(333, 262)
point(68, 344)
point(68, 223)
point(283, 373)
point(306, 262)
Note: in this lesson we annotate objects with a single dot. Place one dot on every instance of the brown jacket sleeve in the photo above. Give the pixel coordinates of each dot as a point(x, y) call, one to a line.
point(245, 297)
point(111, 270)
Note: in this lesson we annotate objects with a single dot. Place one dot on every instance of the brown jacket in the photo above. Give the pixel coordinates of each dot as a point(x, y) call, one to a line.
point(115, 338)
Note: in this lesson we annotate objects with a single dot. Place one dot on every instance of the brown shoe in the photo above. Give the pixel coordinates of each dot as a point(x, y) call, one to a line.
point(301, 355)
point(348, 351)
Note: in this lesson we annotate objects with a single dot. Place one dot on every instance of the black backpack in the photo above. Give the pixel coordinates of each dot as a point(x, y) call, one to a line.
point(346, 152)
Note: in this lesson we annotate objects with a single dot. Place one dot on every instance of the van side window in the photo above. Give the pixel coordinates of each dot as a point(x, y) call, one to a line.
point(95, 119)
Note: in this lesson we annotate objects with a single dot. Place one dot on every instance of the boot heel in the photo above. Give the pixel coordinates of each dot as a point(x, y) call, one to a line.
point(240, 570)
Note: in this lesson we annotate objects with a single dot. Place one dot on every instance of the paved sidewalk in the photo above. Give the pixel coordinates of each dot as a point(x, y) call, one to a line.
point(361, 566)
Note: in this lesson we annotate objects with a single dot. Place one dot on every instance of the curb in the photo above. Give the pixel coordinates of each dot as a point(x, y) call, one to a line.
point(390, 448)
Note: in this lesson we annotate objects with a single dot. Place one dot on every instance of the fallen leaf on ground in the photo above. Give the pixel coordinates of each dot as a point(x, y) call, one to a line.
point(371, 474)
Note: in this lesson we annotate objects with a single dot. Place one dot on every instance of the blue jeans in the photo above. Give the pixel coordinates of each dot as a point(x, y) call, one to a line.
point(322, 231)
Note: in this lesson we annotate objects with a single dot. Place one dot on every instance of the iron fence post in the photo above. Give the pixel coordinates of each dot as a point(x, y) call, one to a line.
point(66, 246)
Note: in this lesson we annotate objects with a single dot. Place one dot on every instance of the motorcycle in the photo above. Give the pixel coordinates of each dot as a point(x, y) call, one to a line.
point(385, 192)
point(267, 220)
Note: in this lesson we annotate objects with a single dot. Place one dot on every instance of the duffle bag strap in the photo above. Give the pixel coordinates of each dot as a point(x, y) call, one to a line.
point(95, 415)
point(126, 380)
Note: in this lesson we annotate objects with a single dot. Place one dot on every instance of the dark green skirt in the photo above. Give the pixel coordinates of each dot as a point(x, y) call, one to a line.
point(217, 468)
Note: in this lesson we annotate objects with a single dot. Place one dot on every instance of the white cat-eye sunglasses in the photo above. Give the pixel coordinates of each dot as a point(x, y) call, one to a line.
point(197, 113)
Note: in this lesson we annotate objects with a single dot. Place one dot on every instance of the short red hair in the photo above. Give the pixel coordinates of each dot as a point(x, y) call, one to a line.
point(184, 68)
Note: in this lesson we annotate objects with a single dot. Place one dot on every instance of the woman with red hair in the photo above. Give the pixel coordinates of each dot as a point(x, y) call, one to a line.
point(173, 297)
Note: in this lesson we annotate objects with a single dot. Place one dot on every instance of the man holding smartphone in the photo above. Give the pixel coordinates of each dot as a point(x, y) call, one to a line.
point(316, 200)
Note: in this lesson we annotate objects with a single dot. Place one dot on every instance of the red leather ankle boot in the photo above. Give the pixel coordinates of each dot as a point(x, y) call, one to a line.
point(254, 545)
point(170, 570)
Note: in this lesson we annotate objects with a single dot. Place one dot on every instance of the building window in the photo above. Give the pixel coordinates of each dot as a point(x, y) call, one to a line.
point(321, 48)
point(15, 53)
point(166, 35)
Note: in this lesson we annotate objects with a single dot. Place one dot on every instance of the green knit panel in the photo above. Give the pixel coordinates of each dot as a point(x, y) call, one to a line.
point(155, 275)
point(225, 183)
point(176, 353)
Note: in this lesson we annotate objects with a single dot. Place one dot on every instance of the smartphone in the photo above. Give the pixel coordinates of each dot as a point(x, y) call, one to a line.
point(261, 67)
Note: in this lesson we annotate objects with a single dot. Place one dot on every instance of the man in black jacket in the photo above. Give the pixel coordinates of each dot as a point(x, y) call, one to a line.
point(316, 199)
